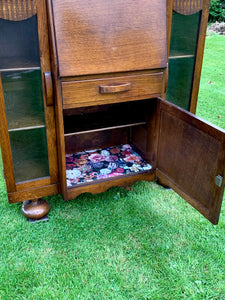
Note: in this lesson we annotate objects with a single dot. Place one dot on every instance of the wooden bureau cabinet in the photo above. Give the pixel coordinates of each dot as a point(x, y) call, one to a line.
point(98, 79)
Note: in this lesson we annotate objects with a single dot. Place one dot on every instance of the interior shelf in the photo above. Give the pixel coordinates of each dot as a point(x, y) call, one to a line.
point(25, 119)
point(98, 165)
point(26, 128)
point(105, 128)
point(106, 118)
point(178, 55)
point(19, 63)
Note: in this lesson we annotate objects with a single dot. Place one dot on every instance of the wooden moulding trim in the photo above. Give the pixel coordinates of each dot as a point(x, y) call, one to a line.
point(5, 145)
point(60, 141)
point(47, 93)
point(165, 82)
point(53, 49)
point(104, 186)
point(169, 14)
point(187, 7)
point(105, 128)
point(31, 184)
point(101, 102)
point(33, 193)
point(199, 56)
point(113, 75)
point(17, 10)
point(58, 102)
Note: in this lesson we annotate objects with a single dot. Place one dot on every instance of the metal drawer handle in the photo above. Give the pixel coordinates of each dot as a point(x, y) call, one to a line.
point(108, 89)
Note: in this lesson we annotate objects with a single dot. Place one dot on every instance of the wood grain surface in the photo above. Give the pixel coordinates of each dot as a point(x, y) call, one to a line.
point(191, 153)
point(17, 10)
point(187, 7)
point(94, 37)
point(88, 92)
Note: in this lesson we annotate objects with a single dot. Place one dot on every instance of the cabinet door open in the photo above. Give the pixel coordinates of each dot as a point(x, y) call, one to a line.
point(191, 159)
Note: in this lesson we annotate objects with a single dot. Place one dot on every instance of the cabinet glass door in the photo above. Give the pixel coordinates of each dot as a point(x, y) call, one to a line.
point(23, 98)
point(183, 45)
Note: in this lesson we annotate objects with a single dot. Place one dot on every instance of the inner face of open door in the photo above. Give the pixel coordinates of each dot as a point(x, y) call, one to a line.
point(191, 158)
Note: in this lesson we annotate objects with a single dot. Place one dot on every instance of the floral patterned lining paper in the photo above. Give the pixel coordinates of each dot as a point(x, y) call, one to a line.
point(88, 166)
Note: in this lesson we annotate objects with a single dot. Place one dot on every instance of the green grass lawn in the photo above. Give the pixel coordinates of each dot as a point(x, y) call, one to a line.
point(147, 243)
point(211, 101)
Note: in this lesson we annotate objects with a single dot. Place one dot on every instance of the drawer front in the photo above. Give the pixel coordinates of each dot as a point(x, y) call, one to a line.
point(111, 90)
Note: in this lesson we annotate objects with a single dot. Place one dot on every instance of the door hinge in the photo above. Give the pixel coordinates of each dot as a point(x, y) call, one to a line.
point(219, 180)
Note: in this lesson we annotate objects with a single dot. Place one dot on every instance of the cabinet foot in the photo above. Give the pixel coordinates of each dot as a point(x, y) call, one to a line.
point(35, 209)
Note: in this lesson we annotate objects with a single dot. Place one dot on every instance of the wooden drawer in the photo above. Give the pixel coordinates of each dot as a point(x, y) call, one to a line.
point(111, 90)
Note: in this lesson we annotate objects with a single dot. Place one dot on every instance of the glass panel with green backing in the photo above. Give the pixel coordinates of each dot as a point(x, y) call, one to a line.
point(183, 44)
point(23, 99)
point(29, 153)
point(23, 96)
point(180, 81)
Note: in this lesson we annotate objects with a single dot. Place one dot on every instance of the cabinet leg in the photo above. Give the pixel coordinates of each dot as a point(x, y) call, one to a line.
point(35, 209)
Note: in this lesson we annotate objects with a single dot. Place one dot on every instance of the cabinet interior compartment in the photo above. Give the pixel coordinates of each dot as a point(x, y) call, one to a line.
point(19, 44)
point(108, 137)
point(23, 97)
point(184, 34)
point(180, 76)
point(29, 154)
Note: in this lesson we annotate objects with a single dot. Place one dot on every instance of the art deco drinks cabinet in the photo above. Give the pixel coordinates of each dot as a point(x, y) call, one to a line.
point(82, 92)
